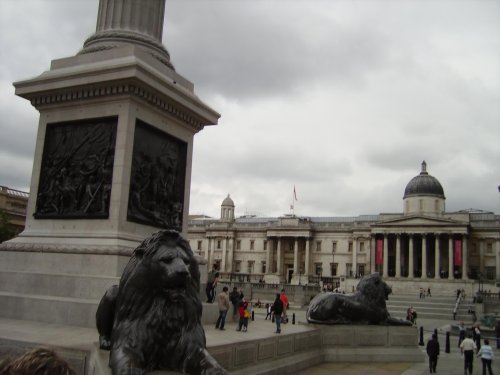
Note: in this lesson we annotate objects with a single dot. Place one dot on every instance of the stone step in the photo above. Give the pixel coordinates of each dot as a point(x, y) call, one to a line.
point(63, 263)
point(57, 285)
point(79, 312)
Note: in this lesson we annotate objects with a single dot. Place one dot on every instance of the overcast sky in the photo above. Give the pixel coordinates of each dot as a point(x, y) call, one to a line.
point(341, 99)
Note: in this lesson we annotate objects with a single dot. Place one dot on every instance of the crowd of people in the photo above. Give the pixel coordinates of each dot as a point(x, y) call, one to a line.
point(242, 309)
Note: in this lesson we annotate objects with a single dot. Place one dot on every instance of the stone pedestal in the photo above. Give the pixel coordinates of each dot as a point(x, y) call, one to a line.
point(112, 164)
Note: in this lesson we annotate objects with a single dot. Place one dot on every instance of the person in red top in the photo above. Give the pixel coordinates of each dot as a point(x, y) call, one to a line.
point(243, 323)
point(284, 299)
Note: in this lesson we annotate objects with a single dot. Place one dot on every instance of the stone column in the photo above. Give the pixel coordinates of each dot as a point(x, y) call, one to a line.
point(411, 274)
point(136, 22)
point(207, 249)
point(497, 258)
point(424, 256)
point(355, 255)
point(212, 257)
point(278, 257)
point(144, 17)
point(481, 257)
point(386, 256)
point(224, 250)
point(268, 256)
point(372, 254)
point(307, 265)
point(231, 255)
point(295, 257)
point(450, 257)
point(465, 276)
point(398, 255)
point(437, 256)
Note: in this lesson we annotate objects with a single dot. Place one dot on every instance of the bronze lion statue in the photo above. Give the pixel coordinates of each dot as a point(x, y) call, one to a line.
point(365, 306)
point(152, 320)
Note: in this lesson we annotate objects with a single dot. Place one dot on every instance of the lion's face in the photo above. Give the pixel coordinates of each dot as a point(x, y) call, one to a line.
point(163, 265)
point(374, 287)
point(171, 266)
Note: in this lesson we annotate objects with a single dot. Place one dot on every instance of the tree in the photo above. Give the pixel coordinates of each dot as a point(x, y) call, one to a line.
point(6, 230)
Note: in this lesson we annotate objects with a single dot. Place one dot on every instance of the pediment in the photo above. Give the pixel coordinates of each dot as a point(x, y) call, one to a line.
point(419, 221)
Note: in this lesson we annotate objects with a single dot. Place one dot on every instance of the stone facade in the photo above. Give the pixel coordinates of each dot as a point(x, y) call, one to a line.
point(426, 242)
point(13, 203)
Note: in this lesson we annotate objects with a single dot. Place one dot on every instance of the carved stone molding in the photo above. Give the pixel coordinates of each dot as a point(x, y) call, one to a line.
point(139, 91)
point(73, 249)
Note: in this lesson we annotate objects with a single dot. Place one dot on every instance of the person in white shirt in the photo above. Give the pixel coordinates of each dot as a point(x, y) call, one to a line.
point(468, 347)
point(486, 355)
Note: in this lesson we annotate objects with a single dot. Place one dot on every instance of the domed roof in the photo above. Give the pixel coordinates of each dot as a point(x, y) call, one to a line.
point(424, 184)
point(228, 201)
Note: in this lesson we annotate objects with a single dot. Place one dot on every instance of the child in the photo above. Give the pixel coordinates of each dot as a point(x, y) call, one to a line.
point(243, 323)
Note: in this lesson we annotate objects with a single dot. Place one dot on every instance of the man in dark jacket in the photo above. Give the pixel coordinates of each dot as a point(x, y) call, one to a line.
point(235, 299)
point(278, 310)
point(433, 352)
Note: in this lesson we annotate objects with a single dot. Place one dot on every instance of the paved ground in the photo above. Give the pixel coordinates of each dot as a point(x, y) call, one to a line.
point(448, 364)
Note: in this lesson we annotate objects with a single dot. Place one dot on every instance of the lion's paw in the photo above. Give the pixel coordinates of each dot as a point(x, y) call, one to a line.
point(104, 343)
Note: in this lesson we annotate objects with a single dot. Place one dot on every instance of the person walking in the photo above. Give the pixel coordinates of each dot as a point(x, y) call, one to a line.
point(477, 336)
point(278, 310)
point(284, 299)
point(213, 277)
point(234, 297)
point(497, 334)
point(433, 352)
point(461, 333)
point(468, 347)
point(269, 310)
point(223, 302)
point(486, 355)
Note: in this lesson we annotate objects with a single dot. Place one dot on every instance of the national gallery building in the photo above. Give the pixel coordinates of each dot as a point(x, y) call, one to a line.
point(423, 243)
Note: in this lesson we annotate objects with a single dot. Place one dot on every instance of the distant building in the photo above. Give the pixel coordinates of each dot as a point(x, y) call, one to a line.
point(423, 243)
point(13, 204)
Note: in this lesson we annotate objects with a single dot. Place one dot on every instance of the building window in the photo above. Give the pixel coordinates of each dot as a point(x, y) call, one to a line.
point(237, 266)
point(334, 246)
point(252, 242)
point(318, 270)
point(348, 269)
point(361, 270)
point(265, 245)
point(250, 266)
point(238, 245)
point(263, 267)
point(199, 244)
point(333, 268)
point(421, 204)
point(350, 247)
point(219, 244)
point(490, 273)
point(361, 247)
point(318, 246)
point(489, 248)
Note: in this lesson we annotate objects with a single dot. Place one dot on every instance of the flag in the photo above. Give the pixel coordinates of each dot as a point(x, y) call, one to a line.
point(294, 193)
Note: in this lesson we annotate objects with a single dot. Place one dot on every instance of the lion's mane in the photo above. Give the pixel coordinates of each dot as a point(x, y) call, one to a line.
point(365, 306)
point(156, 308)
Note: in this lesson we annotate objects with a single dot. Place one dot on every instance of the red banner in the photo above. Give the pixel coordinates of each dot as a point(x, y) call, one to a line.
point(458, 253)
point(379, 252)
